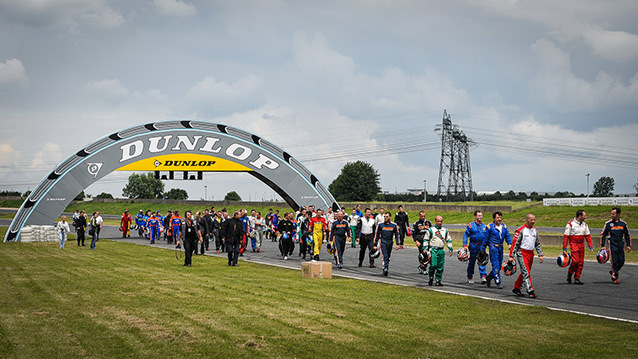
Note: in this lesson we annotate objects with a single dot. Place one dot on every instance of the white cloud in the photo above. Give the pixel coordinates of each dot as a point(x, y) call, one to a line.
point(49, 154)
point(615, 45)
point(559, 172)
point(9, 158)
point(337, 80)
point(66, 14)
point(555, 83)
point(112, 91)
point(576, 20)
point(174, 8)
point(210, 92)
point(109, 89)
point(13, 72)
point(315, 57)
point(101, 16)
point(324, 140)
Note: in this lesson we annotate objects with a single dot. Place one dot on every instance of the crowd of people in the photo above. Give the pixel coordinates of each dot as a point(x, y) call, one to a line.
point(83, 225)
point(377, 234)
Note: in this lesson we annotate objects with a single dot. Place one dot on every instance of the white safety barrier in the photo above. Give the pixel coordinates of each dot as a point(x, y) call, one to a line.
point(39, 234)
point(591, 201)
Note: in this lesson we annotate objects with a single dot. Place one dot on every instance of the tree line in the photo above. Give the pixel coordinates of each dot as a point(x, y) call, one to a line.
point(357, 182)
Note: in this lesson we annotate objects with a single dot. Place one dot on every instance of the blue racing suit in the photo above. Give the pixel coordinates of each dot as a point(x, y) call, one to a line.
point(475, 233)
point(245, 225)
point(383, 240)
point(176, 225)
point(153, 226)
point(494, 240)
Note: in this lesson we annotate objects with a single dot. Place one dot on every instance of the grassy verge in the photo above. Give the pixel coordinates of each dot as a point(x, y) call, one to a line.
point(118, 208)
point(11, 203)
point(554, 216)
point(124, 300)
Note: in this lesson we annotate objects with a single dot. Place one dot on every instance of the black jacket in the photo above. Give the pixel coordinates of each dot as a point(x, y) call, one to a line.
point(419, 229)
point(286, 226)
point(233, 231)
point(202, 226)
point(209, 224)
point(401, 219)
point(189, 231)
point(80, 223)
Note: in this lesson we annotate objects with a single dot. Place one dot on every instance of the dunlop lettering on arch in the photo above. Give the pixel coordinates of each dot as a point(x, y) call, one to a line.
point(171, 146)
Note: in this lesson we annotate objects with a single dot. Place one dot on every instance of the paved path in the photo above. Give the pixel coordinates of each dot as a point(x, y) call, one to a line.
point(598, 297)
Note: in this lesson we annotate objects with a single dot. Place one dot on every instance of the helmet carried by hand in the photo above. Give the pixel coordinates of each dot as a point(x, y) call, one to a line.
point(602, 256)
point(563, 260)
point(508, 268)
point(463, 254)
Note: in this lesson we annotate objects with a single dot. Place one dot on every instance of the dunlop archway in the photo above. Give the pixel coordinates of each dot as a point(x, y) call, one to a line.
point(171, 146)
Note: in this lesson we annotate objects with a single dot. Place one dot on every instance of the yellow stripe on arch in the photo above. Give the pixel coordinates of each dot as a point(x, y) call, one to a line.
point(185, 162)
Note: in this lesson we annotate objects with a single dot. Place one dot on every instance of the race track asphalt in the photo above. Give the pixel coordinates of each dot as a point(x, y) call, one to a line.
point(597, 297)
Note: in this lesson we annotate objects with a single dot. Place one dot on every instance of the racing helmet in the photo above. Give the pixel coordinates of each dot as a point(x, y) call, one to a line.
point(508, 268)
point(376, 253)
point(482, 258)
point(602, 256)
point(409, 232)
point(330, 247)
point(563, 260)
point(285, 236)
point(425, 256)
point(463, 254)
point(310, 241)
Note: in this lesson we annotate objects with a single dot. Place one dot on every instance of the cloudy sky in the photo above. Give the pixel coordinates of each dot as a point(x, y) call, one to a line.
point(548, 90)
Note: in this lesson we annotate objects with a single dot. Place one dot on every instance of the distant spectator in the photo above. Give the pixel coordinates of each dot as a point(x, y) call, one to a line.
point(100, 222)
point(63, 230)
point(94, 229)
point(80, 228)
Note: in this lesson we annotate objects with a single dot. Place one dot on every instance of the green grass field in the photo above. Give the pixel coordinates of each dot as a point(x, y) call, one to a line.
point(555, 216)
point(118, 208)
point(124, 300)
point(11, 203)
point(545, 216)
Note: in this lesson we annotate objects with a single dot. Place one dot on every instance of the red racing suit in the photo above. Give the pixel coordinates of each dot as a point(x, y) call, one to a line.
point(125, 224)
point(525, 241)
point(575, 234)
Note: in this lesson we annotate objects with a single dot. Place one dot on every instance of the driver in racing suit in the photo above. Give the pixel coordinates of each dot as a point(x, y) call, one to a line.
point(475, 234)
point(318, 224)
point(525, 240)
point(576, 232)
point(419, 230)
point(437, 238)
point(385, 231)
point(497, 233)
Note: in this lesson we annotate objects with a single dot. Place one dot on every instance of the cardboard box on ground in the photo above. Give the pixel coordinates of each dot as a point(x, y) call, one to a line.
point(316, 270)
